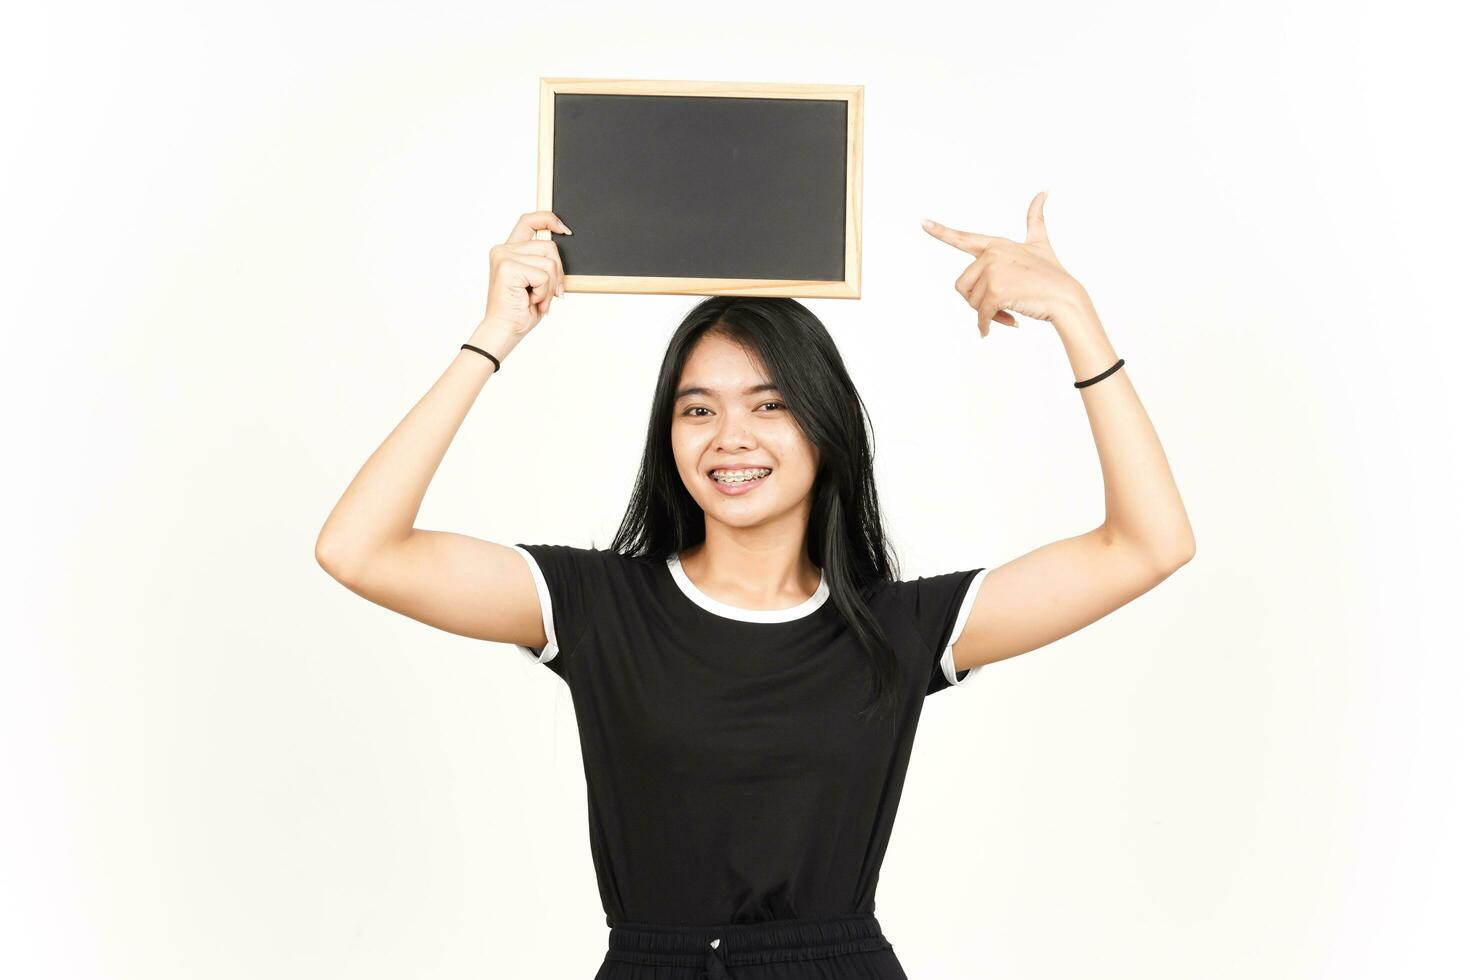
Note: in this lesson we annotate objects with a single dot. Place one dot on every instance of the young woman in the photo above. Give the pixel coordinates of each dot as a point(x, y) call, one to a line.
point(746, 666)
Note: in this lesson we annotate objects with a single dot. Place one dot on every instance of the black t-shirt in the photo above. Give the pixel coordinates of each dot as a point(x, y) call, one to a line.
point(728, 777)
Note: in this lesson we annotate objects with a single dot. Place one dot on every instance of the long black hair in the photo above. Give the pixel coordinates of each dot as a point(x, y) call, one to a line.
point(844, 534)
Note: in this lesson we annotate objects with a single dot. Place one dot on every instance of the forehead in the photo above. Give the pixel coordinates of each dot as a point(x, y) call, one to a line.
point(719, 366)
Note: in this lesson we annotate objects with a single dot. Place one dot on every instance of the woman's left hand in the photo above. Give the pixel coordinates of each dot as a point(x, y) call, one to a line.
point(1023, 277)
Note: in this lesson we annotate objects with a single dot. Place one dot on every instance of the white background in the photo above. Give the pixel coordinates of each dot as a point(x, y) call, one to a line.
point(240, 243)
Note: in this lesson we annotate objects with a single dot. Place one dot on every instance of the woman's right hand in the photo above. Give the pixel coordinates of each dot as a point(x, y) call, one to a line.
point(525, 272)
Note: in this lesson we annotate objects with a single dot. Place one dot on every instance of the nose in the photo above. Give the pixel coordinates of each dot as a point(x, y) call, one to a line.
point(734, 437)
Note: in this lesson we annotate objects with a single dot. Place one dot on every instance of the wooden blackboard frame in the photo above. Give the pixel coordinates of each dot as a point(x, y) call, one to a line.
point(850, 287)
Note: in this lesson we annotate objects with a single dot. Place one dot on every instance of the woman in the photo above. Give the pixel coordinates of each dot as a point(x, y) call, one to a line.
point(746, 668)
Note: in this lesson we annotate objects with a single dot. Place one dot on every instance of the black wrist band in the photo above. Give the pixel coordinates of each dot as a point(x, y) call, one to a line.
point(1093, 381)
point(492, 356)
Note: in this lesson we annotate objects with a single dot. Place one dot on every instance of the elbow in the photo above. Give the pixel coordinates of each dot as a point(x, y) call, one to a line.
point(331, 559)
point(1178, 555)
point(1165, 554)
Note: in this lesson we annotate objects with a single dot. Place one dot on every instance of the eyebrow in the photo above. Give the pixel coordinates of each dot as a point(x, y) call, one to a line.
point(697, 390)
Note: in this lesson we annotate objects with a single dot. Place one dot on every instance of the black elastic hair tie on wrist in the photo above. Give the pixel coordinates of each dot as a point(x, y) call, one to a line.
point(1093, 381)
point(494, 358)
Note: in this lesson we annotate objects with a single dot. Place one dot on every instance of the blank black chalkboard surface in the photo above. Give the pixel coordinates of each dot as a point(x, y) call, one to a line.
point(706, 188)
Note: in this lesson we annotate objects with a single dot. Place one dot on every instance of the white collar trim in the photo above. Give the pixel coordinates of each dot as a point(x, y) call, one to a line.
point(811, 605)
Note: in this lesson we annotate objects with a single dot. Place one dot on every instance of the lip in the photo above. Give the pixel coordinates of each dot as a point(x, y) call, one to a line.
point(739, 488)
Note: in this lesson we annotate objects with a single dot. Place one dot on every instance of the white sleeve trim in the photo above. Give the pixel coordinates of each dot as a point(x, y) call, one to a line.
point(543, 594)
point(946, 662)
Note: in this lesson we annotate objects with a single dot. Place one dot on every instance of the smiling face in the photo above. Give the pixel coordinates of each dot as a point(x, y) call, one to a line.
point(733, 426)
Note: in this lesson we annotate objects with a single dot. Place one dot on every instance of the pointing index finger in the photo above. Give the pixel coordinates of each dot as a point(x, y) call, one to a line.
point(967, 241)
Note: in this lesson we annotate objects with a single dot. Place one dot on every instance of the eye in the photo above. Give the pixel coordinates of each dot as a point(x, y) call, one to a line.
point(701, 408)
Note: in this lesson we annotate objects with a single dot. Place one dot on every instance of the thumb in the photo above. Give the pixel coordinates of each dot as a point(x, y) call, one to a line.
point(1035, 222)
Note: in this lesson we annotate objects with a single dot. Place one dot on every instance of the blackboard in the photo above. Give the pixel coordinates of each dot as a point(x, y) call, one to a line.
point(707, 188)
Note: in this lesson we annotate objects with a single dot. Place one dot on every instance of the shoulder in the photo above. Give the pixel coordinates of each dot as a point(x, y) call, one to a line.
point(580, 591)
point(937, 606)
point(915, 594)
point(587, 568)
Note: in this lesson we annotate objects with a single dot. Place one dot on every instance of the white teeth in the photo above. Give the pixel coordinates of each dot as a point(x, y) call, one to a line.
point(740, 476)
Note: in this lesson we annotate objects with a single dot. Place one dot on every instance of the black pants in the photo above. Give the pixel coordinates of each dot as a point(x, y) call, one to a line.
point(849, 948)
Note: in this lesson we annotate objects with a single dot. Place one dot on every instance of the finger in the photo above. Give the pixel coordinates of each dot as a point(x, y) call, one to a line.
point(541, 295)
point(991, 309)
point(544, 248)
point(965, 284)
point(533, 221)
point(980, 292)
point(967, 241)
point(986, 302)
point(531, 272)
point(1036, 222)
point(545, 280)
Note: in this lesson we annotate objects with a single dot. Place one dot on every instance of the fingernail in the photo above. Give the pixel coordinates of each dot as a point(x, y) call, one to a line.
point(565, 229)
point(927, 223)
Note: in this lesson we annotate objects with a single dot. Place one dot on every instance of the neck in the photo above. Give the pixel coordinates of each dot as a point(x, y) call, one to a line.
point(752, 574)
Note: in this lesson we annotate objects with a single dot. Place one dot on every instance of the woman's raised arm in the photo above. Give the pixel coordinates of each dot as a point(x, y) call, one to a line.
point(369, 543)
point(1145, 534)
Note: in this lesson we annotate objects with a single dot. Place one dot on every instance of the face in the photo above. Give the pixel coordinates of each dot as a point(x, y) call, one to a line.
point(729, 426)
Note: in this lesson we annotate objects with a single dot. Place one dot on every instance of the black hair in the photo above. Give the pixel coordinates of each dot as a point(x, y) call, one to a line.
point(844, 534)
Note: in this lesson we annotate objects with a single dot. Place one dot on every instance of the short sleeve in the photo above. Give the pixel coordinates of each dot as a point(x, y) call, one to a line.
point(940, 606)
point(566, 578)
